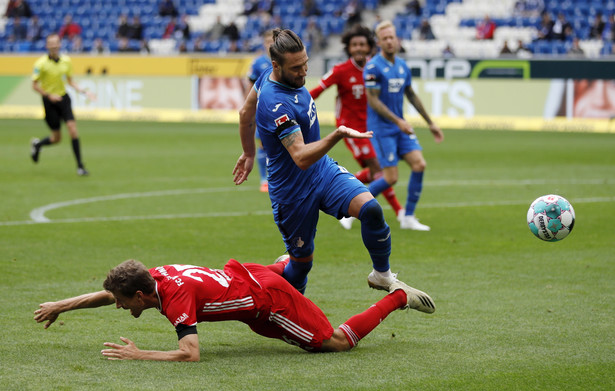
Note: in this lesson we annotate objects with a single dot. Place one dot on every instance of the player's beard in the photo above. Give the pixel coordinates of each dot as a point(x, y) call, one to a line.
point(296, 82)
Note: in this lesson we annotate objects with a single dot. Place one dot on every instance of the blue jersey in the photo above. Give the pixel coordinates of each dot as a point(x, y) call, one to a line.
point(259, 66)
point(391, 80)
point(280, 111)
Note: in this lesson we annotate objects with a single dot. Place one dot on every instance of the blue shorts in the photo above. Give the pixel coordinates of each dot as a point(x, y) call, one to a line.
point(391, 148)
point(332, 194)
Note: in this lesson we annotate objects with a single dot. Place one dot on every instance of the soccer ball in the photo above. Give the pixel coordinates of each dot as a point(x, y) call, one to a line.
point(550, 218)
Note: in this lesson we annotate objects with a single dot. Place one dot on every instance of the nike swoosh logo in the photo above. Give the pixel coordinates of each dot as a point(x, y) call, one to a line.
point(385, 239)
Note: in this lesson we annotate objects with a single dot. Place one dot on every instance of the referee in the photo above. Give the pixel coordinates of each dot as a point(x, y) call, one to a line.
point(48, 80)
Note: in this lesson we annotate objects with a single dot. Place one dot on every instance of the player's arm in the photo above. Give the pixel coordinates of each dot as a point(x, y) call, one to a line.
point(376, 104)
point(415, 101)
point(52, 97)
point(304, 155)
point(188, 351)
point(70, 82)
point(50, 311)
point(247, 128)
point(319, 89)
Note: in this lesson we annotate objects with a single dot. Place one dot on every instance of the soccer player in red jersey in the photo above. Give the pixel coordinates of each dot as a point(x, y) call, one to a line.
point(254, 294)
point(351, 106)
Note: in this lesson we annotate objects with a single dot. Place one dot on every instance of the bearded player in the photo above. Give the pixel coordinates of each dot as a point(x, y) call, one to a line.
point(351, 107)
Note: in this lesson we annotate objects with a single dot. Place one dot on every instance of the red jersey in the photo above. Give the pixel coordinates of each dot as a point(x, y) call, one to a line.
point(351, 102)
point(249, 293)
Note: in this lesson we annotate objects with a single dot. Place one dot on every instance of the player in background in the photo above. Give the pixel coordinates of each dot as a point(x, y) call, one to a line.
point(351, 107)
point(50, 71)
point(303, 179)
point(250, 293)
point(260, 65)
point(387, 80)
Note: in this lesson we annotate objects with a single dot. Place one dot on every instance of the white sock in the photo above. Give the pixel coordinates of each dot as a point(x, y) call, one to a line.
point(386, 274)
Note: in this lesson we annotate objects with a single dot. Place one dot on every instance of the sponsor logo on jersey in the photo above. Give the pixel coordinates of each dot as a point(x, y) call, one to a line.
point(276, 107)
point(395, 84)
point(280, 120)
point(183, 317)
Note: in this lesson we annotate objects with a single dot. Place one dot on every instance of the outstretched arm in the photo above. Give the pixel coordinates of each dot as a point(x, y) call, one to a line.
point(376, 104)
point(414, 99)
point(247, 127)
point(91, 96)
point(188, 351)
point(304, 155)
point(50, 311)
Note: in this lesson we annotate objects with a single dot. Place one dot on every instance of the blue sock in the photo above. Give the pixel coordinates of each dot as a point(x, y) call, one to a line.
point(261, 158)
point(415, 186)
point(296, 274)
point(378, 186)
point(376, 234)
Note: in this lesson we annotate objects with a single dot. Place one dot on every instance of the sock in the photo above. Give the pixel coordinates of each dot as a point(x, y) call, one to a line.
point(376, 235)
point(358, 326)
point(77, 152)
point(277, 268)
point(415, 186)
point(365, 176)
point(378, 186)
point(261, 158)
point(43, 142)
point(389, 194)
point(296, 273)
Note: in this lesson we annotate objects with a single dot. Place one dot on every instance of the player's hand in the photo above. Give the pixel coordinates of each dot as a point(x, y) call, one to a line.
point(121, 352)
point(405, 127)
point(91, 96)
point(54, 97)
point(242, 169)
point(47, 312)
point(437, 133)
point(351, 133)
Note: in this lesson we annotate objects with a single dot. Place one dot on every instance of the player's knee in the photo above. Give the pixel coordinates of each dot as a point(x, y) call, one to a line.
point(371, 213)
point(419, 166)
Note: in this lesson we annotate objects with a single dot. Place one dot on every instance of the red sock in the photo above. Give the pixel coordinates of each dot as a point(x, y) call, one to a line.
point(277, 268)
point(364, 175)
point(389, 194)
point(362, 324)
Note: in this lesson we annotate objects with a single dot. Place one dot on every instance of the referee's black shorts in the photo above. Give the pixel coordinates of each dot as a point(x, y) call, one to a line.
point(56, 111)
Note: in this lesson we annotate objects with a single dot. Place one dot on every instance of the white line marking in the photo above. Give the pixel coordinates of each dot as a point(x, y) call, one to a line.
point(38, 214)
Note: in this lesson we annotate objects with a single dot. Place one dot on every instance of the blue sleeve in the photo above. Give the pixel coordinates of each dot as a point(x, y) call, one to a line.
point(371, 76)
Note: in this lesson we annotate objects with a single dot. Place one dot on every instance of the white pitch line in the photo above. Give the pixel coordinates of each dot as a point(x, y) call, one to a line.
point(38, 214)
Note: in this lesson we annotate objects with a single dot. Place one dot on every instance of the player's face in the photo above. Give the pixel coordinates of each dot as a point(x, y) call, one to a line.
point(387, 40)
point(293, 71)
point(53, 45)
point(135, 304)
point(359, 49)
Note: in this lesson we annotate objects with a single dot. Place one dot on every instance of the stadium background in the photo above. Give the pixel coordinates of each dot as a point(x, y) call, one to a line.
point(542, 87)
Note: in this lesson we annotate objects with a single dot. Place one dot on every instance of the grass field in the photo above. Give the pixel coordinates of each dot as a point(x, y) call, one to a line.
point(513, 312)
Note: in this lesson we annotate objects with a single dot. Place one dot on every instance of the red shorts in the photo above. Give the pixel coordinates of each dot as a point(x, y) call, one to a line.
point(287, 314)
point(361, 148)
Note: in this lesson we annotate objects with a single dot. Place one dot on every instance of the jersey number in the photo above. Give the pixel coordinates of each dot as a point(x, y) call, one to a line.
point(193, 272)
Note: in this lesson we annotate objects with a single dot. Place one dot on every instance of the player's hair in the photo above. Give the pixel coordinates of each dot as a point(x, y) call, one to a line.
point(284, 41)
point(384, 24)
point(129, 277)
point(358, 31)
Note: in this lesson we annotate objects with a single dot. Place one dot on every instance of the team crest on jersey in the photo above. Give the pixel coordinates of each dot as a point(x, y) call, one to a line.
point(352, 79)
point(280, 120)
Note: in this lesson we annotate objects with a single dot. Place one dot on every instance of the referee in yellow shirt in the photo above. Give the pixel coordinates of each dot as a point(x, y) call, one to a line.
point(48, 80)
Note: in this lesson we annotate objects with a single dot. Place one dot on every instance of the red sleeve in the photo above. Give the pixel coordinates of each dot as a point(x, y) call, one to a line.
point(316, 91)
point(329, 79)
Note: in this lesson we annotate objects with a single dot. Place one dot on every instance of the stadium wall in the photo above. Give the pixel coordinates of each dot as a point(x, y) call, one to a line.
point(472, 94)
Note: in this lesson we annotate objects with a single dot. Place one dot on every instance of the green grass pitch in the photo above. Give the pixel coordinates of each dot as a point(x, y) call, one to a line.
point(513, 312)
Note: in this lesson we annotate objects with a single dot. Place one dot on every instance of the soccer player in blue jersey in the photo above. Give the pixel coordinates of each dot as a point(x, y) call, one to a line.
point(260, 65)
point(387, 80)
point(303, 179)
